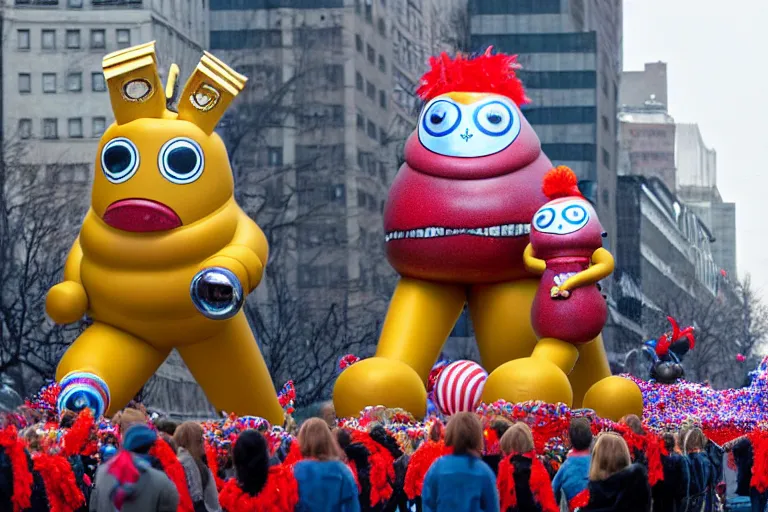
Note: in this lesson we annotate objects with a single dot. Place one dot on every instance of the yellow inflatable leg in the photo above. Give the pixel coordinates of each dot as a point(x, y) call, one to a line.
point(501, 317)
point(420, 318)
point(591, 367)
point(124, 362)
point(230, 369)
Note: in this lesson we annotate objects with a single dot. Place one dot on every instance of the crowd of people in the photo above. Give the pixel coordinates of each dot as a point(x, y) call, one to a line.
point(463, 465)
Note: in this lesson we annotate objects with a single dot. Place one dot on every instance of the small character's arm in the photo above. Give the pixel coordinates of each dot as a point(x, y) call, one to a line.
point(246, 255)
point(67, 301)
point(602, 267)
point(533, 264)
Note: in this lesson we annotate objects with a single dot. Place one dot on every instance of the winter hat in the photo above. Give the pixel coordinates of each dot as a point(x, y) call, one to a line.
point(138, 437)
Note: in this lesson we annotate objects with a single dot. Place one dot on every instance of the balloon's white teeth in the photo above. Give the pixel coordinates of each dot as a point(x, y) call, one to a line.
point(501, 230)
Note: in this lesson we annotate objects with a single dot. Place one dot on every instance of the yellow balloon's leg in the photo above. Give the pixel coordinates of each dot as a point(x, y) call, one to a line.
point(591, 367)
point(125, 363)
point(501, 317)
point(230, 369)
point(420, 318)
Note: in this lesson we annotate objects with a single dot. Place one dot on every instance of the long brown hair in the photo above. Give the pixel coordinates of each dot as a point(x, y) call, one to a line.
point(609, 456)
point(517, 439)
point(464, 433)
point(695, 441)
point(317, 442)
point(189, 435)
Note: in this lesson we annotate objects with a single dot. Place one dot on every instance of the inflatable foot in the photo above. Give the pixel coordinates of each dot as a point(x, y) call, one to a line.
point(528, 379)
point(379, 381)
point(614, 397)
point(82, 390)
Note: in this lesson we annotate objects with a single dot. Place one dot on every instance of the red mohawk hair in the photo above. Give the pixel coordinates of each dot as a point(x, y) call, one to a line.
point(560, 182)
point(484, 73)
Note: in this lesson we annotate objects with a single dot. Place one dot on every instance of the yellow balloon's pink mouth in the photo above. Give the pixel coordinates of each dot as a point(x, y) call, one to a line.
point(141, 216)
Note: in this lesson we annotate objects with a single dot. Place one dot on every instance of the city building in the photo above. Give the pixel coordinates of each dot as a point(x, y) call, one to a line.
point(697, 186)
point(54, 97)
point(637, 86)
point(570, 52)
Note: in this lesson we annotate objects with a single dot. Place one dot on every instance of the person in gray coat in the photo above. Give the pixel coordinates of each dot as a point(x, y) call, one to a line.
point(129, 483)
point(200, 479)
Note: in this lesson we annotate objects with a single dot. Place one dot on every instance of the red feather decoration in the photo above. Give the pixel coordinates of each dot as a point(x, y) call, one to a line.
point(759, 440)
point(560, 182)
point(485, 73)
point(539, 483)
point(22, 476)
point(294, 454)
point(78, 440)
point(421, 460)
point(382, 470)
point(581, 500)
point(213, 463)
point(175, 471)
point(280, 494)
point(60, 485)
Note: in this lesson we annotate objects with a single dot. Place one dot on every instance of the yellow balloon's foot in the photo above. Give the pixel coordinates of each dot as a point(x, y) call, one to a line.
point(379, 381)
point(528, 379)
point(614, 397)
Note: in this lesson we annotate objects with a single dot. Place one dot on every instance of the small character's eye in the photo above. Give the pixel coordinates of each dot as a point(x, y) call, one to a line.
point(494, 118)
point(441, 118)
point(119, 160)
point(544, 218)
point(181, 161)
point(574, 214)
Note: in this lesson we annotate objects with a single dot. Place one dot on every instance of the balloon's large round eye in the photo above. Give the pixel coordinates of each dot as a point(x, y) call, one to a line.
point(574, 214)
point(119, 160)
point(441, 118)
point(544, 218)
point(494, 118)
point(181, 161)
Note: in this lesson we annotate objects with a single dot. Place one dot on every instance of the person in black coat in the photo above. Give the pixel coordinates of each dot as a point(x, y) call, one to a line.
point(671, 494)
point(359, 454)
point(743, 456)
point(38, 500)
point(499, 427)
point(616, 485)
point(702, 472)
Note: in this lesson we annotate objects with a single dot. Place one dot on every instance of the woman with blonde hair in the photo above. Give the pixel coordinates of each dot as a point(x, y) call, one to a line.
point(461, 482)
point(523, 481)
point(325, 482)
point(188, 438)
point(615, 484)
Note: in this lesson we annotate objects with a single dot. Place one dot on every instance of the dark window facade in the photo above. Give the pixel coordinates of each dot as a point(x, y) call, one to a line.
point(558, 79)
point(564, 152)
point(242, 39)
point(247, 5)
point(560, 115)
point(514, 6)
point(462, 327)
point(575, 42)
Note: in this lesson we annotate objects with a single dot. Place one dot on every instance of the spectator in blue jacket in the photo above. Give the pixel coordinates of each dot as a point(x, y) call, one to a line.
point(573, 476)
point(325, 483)
point(461, 482)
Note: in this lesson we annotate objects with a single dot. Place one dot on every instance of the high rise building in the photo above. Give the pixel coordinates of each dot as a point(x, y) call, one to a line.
point(570, 51)
point(54, 95)
point(638, 86)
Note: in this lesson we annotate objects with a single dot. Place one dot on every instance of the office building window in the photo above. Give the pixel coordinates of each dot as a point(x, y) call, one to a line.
point(275, 156)
point(75, 126)
point(244, 39)
point(605, 83)
point(22, 39)
point(368, 10)
point(514, 6)
point(370, 90)
point(48, 39)
point(75, 82)
point(570, 152)
point(372, 130)
point(382, 27)
point(383, 139)
point(360, 122)
point(358, 43)
point(123, 38)
point(572, 42)
point(73, 39)
point(49, 83)
point(606, 123)
point(558, 79)
point(560, 115)
point(383, 99)
point(461, 327)
point(382, 64)
point(50, 128)
point(359, 81)
point(98, 84)
point(371, 54)
point(98, 39)
point(25, 83)
point(606, 158)
point(98, 125)
point(75, 3)
point(25, 128)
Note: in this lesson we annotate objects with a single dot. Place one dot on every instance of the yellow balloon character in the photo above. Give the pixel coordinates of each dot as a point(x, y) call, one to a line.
point(165, 256)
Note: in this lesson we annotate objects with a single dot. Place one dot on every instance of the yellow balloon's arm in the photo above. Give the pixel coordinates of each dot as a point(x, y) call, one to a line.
point(67, 301)
point(248, 248)
point(72, 265)
point(533, 264)
point(602, 267)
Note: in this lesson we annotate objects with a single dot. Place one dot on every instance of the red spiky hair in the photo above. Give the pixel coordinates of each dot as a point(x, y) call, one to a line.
point(484, 73)
point(561, 182)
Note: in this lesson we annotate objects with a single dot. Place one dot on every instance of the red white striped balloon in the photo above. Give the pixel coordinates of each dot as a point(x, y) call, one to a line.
point(459, 387)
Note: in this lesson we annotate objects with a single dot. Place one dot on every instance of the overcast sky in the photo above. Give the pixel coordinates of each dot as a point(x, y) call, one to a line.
point(718, 77)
